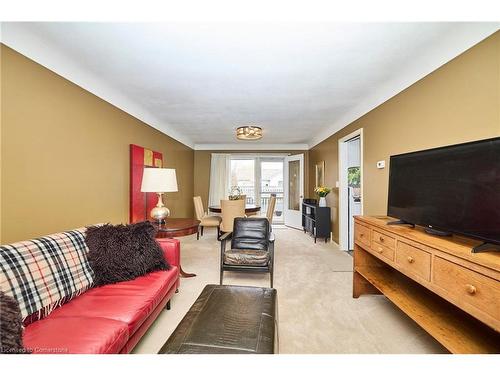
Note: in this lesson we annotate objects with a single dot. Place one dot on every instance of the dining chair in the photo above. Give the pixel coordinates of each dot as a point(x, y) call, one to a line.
point(244, 198)
point(231, 209)
point(270, 208)
point(205, 219)
point(270, 211)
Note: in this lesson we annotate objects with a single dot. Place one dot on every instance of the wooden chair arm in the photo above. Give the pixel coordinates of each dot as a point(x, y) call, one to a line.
point(225, 236)
point(271, 237)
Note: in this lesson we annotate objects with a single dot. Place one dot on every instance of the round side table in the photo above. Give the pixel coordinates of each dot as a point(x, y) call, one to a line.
point(178, 227)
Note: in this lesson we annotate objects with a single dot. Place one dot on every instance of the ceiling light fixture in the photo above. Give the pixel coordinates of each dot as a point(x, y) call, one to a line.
point(249, 133)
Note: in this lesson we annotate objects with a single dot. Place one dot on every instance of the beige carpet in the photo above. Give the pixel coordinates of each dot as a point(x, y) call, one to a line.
point(317, 313)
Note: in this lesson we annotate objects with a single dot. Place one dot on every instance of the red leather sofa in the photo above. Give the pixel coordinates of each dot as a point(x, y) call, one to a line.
point(108, 319)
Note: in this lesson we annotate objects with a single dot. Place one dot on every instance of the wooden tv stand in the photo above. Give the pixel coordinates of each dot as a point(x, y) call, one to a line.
point(450, 292)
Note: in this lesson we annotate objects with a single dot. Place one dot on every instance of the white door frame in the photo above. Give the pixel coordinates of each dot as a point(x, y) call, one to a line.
point(296, 221)
point(343, 193)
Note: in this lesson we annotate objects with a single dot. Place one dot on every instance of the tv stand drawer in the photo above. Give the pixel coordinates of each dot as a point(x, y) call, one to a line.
point(362, 234)
point(413, 260)
point(467, 286)
point(384, 239)
point(382, 250)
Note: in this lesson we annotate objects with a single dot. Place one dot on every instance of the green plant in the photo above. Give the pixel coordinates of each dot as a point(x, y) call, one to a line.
point(354, 177)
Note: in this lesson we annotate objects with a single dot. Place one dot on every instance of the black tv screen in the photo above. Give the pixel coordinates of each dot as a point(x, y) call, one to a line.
point(454, 189)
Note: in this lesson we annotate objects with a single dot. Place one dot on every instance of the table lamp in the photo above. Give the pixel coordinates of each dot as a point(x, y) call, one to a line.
point(159, 181)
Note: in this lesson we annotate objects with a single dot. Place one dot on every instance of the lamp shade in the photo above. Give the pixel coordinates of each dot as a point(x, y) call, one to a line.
point(159, 180)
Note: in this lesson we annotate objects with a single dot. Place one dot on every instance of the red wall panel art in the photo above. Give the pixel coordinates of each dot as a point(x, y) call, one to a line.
point(141, 203)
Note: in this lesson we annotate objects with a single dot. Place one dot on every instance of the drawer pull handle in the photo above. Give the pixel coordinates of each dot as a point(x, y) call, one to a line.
point(361, 235)
point(380, 250)
point(471, 289)
point(381, 239)
point(410, 260)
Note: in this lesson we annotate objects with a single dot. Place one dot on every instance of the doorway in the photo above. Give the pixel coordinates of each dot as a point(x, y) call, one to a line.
point(350, 186)
point(294, 190)
point(271, 184)
point(259, 177)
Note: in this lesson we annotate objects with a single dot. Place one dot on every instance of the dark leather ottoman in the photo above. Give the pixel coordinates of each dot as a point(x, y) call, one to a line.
point(228, 319)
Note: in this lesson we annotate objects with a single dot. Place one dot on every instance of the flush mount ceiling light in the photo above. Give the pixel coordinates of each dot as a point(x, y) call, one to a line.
point(249, 133)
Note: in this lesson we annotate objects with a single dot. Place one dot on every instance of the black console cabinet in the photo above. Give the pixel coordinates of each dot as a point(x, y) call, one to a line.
point(316, 219)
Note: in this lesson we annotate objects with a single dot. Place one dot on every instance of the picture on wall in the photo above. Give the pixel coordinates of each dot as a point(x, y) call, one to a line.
point(320, 173)
point(141, 203)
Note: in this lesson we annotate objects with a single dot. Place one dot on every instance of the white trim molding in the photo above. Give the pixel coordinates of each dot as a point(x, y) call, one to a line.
point(261, 155)
point(45, 52)
point(252, 146)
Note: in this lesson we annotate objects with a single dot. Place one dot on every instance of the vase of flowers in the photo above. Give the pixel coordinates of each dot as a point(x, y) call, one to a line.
point(322, 192)
point(235, 193)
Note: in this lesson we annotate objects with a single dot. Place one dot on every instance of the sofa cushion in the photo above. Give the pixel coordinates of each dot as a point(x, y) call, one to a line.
point(123, 252)
point(129, 302)
point(76, 335)
point(246, 257)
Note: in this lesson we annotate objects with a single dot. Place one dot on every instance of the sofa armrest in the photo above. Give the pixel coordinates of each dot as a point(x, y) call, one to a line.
point(171, 250)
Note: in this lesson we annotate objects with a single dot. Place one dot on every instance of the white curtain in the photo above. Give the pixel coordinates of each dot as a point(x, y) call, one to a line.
point(220, 178)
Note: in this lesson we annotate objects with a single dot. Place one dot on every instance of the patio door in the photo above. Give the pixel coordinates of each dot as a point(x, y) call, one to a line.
point(271, 183)
point(294, 190)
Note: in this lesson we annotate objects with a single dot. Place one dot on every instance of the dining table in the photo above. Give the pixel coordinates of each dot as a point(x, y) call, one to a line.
point(249, 209)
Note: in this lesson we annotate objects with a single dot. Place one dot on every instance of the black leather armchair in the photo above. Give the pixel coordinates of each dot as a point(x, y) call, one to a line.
point(252, 247)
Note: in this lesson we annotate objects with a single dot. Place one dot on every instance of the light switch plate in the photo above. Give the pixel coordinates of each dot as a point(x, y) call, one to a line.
point(381, 164)
point(336, 184)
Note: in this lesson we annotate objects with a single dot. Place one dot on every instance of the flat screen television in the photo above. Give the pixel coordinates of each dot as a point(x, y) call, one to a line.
point(453, 189)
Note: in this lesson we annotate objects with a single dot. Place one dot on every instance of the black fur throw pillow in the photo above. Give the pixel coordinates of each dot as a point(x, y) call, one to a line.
point(11, 326)
point(123, 252)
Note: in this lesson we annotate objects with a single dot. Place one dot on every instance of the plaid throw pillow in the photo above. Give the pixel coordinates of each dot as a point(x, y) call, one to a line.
point(46, 272)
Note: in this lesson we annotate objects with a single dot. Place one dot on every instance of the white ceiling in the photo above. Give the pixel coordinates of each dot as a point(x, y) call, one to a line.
point(197, 82)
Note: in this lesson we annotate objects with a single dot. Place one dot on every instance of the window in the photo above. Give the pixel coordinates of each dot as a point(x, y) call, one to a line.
point(243, 176)
point(259, 177)
point(271, 172)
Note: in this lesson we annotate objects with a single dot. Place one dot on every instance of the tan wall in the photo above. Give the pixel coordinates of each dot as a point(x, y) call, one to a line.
point(65, 161)
point(457, 103)
point(65, 154)
point(202, 169)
